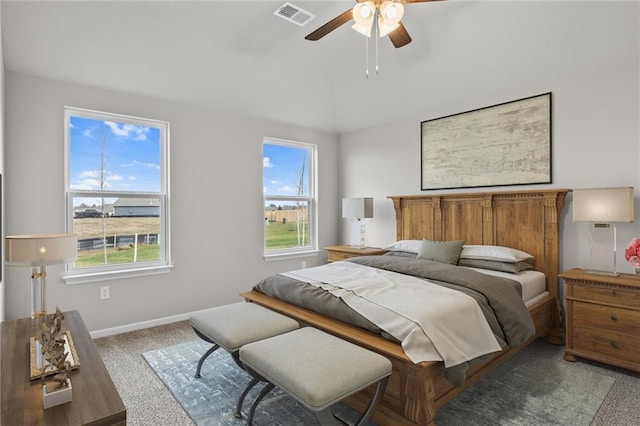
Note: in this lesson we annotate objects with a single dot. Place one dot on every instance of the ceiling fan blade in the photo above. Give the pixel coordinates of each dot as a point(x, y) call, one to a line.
point(400, 37)
point(341, 19)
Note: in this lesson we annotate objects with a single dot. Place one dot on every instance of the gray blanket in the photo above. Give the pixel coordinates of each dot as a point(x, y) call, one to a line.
point(499, 298)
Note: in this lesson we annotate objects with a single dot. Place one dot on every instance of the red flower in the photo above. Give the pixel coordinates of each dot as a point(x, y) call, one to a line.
point(632, 252)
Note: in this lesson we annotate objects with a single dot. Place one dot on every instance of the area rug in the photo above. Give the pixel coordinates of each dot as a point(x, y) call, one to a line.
point(535, 387)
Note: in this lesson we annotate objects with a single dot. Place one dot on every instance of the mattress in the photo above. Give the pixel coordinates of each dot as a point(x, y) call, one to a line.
point(533, 283)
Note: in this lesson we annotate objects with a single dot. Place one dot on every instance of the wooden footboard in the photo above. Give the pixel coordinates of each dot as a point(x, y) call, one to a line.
point(415, 391)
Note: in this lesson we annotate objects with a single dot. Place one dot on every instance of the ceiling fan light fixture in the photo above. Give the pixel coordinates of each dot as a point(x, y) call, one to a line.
point(389, 17)
point(363, 15)
point(391, 12)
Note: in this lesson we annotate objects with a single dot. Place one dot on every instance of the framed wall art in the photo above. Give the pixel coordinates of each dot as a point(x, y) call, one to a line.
point(504, 144)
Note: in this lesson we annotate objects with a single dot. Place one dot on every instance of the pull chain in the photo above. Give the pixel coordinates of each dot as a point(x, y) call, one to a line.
point(366, 48)
point(375, 22)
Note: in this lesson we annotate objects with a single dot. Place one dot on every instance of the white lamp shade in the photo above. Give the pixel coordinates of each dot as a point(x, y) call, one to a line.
point(40, 249)
point(389, 17)
point(357, 207)
point(363, 14)
point(603, 205)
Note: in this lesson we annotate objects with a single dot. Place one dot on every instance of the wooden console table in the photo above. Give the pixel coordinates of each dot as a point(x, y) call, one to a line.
point(95, 398)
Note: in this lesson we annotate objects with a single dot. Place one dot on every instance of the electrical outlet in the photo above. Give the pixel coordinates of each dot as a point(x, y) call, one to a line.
point(104, 292)
point(304, 265)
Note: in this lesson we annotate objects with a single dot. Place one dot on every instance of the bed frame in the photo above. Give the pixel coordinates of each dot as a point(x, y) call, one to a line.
point(525, 220)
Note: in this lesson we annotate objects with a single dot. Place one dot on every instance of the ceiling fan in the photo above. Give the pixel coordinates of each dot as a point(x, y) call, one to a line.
point(387, 12)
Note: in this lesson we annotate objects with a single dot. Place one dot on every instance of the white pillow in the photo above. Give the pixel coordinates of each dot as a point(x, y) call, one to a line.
point(498, 253)
point(410, 246)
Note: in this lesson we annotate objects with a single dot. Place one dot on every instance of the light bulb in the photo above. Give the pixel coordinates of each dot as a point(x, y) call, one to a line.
point(363, 14)
point(364, 11)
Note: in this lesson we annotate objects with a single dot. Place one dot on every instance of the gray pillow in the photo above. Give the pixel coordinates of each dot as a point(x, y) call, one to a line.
point(400, 254)
point(441, 251)
point(512, 268)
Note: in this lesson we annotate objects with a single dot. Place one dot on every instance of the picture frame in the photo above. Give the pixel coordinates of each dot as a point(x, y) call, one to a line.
point(498, 145)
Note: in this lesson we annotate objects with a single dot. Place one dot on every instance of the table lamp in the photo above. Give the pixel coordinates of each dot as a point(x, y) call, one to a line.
point(357, 209)
point(603, 207)
point(39, 251)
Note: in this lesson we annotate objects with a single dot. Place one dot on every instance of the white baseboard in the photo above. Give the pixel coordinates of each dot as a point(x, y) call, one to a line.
point(140, 325)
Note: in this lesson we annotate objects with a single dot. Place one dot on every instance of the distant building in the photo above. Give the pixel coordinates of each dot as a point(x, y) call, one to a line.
point(126, 207)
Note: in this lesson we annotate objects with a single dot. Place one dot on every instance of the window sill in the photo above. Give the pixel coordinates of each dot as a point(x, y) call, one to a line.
point(115, 275)
point(287, 256)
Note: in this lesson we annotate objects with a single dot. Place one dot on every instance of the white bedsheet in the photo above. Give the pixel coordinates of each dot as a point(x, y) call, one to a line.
point(533, 282)
point(396, 303)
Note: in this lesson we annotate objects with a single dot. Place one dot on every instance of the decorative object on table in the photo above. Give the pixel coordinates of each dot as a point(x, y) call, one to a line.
point(357, 209)
point(504, 144)
point(603, 207)
point(39, 251)
point(54, 346)
point(632, 254)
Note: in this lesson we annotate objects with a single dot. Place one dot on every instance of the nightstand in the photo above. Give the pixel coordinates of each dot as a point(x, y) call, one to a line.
point(335, 253)
point(603, 318)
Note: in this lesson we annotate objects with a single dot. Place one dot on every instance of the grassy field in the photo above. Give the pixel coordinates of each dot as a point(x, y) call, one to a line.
point(117, 256)
point(92, 228)
point(279, 235)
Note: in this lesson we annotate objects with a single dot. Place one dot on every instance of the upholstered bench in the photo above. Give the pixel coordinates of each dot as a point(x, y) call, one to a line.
point(232, 326)
point(317, 369)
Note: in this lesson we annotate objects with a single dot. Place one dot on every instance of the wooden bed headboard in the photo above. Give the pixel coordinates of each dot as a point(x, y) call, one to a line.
point(524, 220)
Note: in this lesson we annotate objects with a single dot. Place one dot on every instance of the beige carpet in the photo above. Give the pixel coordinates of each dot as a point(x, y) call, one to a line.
point(149, 402)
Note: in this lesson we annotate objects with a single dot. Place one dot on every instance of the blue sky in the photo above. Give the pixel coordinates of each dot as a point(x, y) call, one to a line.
point(282, 166)
point(132, 156)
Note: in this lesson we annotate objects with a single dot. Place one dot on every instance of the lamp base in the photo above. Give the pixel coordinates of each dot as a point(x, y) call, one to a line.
point(358, 237)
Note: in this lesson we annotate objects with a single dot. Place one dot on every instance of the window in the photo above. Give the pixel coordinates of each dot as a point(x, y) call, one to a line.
point(116, 185)
point(289, 198)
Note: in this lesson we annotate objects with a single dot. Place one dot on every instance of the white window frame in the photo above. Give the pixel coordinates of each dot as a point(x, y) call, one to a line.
point(311, 198)
point(127, 270)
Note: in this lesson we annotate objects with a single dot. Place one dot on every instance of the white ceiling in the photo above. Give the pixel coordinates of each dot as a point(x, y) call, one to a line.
point(238, 56)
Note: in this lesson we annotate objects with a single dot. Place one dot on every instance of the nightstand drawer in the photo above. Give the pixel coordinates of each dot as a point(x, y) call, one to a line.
point(615, 296)
point(614, 346)
point(334, 256)
point(618, 320)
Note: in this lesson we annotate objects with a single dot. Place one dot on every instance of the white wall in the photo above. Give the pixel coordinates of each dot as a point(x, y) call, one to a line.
point(2, 234)
point(595, 143)
point(216, 197)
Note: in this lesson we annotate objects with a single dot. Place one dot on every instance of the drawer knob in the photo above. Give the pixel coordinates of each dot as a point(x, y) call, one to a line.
point(614, 345)
point(614, 318)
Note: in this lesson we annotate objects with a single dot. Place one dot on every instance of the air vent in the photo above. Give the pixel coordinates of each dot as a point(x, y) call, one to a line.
point(294, 14)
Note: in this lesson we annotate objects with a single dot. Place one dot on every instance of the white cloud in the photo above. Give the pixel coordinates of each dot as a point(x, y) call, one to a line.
point(89, 174)
point(138, 133)
point(266, 162)
point(115, 178)
point(286, 189)
point(87, 133)
point(140, 163)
